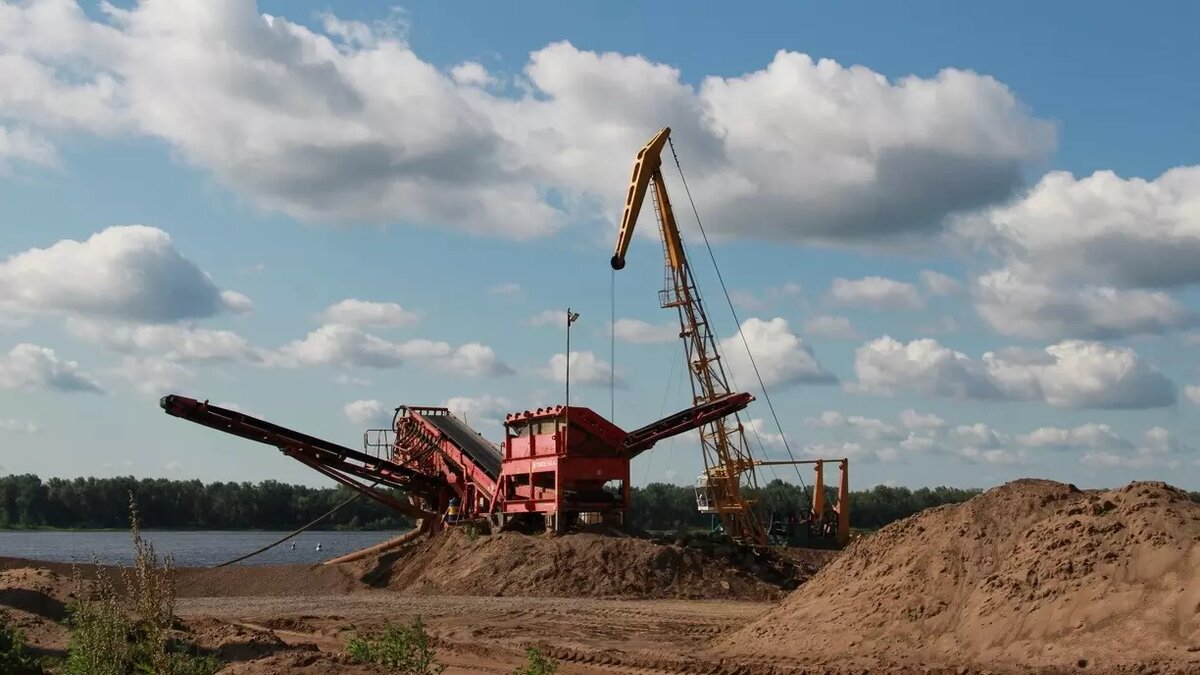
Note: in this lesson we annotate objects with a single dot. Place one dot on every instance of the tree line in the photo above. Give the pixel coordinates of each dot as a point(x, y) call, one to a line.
point(26, 501)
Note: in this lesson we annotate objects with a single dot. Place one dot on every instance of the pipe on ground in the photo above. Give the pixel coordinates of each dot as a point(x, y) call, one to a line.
point(381, 547)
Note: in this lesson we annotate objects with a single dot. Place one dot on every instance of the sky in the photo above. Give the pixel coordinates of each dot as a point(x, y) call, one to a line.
point(959, 239)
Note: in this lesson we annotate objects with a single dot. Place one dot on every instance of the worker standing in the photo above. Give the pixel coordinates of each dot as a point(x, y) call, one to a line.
point(452, 511)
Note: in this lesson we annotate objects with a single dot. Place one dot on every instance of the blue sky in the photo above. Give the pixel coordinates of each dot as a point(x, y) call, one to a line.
point(462, 168)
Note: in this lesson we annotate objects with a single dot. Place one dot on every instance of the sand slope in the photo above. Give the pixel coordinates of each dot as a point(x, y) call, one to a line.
point(1033, 572)
point(582, 565)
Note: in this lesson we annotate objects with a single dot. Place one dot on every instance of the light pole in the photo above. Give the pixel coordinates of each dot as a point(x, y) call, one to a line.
point(571, 316)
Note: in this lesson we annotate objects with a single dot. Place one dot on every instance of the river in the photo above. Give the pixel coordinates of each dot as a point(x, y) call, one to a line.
point(189, 548)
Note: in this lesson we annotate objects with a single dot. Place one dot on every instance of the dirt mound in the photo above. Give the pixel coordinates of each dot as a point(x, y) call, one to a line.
point(1033, 573)
point(35, 601)
point(581, 565)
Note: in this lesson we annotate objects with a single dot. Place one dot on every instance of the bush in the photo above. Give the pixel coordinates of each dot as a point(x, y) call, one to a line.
point(536, 663)
point(99, 642)
point(14, 660)
point(406, 649)
point(106, 639)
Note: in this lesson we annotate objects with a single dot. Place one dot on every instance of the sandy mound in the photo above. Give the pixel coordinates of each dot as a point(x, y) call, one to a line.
point(582, 565)
point(1033, 572)
point(35, 600)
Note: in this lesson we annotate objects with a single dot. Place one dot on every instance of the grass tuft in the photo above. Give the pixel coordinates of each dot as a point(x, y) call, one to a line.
point(404, 649)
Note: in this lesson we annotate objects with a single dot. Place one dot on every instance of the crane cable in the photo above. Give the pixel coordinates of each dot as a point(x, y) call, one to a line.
point(732, 311)
point(293, 533)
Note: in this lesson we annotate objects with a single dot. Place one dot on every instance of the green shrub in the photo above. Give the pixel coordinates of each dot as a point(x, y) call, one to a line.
point(405, 649)
point(536, 663)
point(14, 659)
point(111, 635)
point(99, 641)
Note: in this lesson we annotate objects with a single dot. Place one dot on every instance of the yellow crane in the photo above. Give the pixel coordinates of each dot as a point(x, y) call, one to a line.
point(728, 462)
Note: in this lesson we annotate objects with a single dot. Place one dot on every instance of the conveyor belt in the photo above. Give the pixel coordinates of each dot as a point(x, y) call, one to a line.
point(486, 455)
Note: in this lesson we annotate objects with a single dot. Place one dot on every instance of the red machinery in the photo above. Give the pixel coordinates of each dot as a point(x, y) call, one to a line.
point(555, 464)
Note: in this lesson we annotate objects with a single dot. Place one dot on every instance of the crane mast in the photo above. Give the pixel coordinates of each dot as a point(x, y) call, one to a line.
point(727, 458)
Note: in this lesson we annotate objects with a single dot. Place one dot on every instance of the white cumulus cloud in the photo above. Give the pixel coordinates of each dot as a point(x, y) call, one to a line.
point(173, 341)
point(130, 273)
point(353, 312)
point(586, 368)
point(319, 123)
point(28, 365)
point(832, 327)
point(1070, 374)
point(876, 293)
point(348, 346)
point(782, 357)
point(638, 331)
point(367, 411)
point(940, 284)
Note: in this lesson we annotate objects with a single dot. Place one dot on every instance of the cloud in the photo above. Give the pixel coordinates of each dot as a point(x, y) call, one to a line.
point(319, 123)
point(509, 288)
point(635, 330)
point(1091, 435)
point(586, 368)
point(1070, 374)
point(1015, 303)
point(747, 301)
point(832, 327)
point(876, 293)
point(367, 411)
point(992, 456)
point(868, 427)
point(851, 451)
point(363, 313)
point(16, 426)
point(1093, 257)
point(28, 366)
point(1193, 394)
point(471, 74)
point(979, 435)
point(828, 419)
point(770, 440)
point(1107, 230)
point(782, 357)
point(485, 413)
point(549, 317)
point(1158, 448)
point(940, 284)
point(911, 419)
point(21, 145)
point(348, 346)
point(130, 273)
point(153, 375)
point(173, 341)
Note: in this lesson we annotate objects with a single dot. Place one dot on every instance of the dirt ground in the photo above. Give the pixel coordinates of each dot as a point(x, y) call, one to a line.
point(1032, 578)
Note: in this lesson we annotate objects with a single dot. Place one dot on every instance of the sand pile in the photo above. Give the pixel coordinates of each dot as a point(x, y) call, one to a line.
point(1032, 573)
point(581, 565)
point(35, 600)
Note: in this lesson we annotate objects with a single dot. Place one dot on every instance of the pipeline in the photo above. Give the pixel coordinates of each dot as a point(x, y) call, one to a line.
point(382, 547)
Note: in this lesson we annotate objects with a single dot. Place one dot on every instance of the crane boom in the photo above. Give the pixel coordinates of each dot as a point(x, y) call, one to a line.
point(727, 458)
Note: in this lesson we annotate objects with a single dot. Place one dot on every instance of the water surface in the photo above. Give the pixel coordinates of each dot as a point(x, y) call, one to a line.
point(190, 548)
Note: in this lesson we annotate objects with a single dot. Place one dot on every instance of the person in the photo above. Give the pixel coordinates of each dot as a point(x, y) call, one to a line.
point(452, 511)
